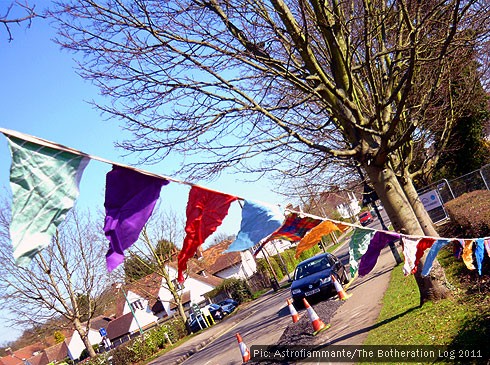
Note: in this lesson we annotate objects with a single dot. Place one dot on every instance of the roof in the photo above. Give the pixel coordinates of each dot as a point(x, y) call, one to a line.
point(120, 326)
point(215, 260)
point(100, 321)
point(57, 352)
point(24, 353)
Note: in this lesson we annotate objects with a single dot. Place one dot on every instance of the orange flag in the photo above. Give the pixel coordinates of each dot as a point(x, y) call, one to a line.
point(315, 235)
point(468, 254)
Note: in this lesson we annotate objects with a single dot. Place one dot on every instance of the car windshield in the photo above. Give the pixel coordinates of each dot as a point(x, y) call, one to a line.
point(311, 267)
point(364, 214)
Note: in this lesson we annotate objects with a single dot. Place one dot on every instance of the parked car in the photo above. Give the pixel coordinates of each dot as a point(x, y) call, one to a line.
point(228, 305)
point(216, 311)
point(194, 324)
point(365, 218)
point(312, 278)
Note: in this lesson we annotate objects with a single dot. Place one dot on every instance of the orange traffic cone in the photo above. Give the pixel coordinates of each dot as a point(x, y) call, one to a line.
point(318, 325)
point(243, 348)
point(292, 310)
point(340, 291)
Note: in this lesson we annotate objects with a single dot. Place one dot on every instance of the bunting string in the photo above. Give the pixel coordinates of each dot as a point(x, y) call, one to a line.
point(131, 194)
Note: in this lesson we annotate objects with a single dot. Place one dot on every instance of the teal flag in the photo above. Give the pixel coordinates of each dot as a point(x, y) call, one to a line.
point(358, 246)
point(45, 184)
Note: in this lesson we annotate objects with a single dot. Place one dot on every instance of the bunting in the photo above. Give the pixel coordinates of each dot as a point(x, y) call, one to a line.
point(378, 242)
point(315, 235)
point(409, 250)
point(205, 212)
point(295, 227)
point(431, 256)
point(130, 198)
point(45, 179)
point(422, 245)
point(358, 246)
point(468, 254)
point(479, 252)
point(45, 184)
point(258, 221)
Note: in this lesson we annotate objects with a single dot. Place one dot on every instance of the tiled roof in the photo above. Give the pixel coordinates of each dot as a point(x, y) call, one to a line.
point(120, 326)
point(100, 321)
point(215, 260)
point(23, 353)
point(208, 279)
point(57, 352)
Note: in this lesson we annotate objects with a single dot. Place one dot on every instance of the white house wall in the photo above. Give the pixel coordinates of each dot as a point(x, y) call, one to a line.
point(144, 316)
point(197, 290)
point(76, 346)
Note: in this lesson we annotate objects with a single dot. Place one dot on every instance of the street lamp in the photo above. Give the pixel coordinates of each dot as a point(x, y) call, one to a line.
point(119, 286)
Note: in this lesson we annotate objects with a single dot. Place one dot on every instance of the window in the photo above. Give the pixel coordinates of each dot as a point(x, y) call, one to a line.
point(137, 304)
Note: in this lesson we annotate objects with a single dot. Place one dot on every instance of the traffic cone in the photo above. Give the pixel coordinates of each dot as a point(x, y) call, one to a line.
point(243, 348)
point(292, 310)
point(340, 291)
point(318, 325)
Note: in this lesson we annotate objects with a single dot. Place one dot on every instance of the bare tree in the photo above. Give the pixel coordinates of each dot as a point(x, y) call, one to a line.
point(62, 283)
point(17, 12)
point(155, 251)
point(303, 83)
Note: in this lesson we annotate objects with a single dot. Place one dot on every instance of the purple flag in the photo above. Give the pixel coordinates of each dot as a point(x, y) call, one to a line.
point(130, 197)
point(378, 242)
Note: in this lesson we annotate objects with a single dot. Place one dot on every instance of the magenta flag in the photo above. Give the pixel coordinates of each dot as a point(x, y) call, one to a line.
point(130, 197)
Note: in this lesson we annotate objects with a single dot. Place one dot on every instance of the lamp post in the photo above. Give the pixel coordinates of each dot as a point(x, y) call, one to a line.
point(369, 198)
point(119, 286)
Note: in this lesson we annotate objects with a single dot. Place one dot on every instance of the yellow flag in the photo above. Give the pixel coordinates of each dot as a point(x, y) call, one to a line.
point(315, 235)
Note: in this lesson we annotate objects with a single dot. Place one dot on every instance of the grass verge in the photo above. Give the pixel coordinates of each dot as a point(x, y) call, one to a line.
point(460, 322)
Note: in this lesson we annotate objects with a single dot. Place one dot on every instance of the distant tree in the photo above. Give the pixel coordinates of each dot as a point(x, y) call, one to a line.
point(63, 281)
point(17, 12)
point(58, 336)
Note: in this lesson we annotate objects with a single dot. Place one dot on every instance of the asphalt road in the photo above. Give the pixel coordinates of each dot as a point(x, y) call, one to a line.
point(262, 324)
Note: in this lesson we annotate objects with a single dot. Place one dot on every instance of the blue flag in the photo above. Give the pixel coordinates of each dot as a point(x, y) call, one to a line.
point(258, 221)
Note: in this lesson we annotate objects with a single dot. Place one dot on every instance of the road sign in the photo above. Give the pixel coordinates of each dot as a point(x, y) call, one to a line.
point(102, 332)
point(431, 200)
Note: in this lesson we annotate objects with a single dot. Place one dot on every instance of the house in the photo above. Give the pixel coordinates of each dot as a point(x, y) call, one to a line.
point(36, 355)
point(75, 343)
point(240, 265)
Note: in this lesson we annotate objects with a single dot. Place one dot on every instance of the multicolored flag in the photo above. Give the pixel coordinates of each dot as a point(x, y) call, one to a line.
point(45, 184)
point(258, 221)
point(130, 198)
point(205, 212)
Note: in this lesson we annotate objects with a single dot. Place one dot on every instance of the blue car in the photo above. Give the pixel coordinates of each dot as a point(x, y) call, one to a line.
point(228, 305)
point(312, 278)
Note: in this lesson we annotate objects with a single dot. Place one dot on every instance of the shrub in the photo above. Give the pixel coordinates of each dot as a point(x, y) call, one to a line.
point(470, 214)
point(123, 355)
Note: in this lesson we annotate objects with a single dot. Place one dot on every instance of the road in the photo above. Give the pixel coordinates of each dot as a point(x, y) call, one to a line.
point(263, 324)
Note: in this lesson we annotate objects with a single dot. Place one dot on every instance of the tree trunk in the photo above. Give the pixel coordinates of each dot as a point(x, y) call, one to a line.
point(418, 208)
point(404, 219)
point(84, 336)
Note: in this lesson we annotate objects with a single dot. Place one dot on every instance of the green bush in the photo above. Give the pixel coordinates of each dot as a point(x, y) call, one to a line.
point(123, 355)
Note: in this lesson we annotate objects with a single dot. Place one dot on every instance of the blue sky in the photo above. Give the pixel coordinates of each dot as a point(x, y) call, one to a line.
point(41, 95)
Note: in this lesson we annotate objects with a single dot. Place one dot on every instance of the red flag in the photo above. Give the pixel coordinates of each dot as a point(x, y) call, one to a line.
point(423, 245)
point(205, 211)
